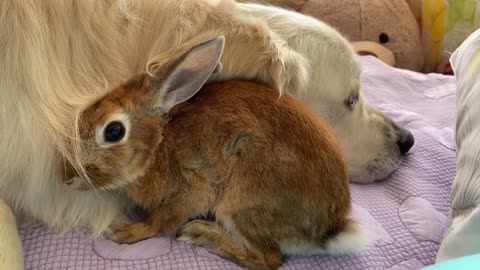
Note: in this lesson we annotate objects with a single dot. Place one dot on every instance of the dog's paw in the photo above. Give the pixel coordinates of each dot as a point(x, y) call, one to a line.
point(289, 70)
point(11, 255)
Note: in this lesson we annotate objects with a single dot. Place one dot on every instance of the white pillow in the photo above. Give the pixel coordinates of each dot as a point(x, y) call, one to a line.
point(463, 237)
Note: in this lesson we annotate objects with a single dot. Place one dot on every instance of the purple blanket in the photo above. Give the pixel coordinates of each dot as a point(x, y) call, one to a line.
point(407, 212)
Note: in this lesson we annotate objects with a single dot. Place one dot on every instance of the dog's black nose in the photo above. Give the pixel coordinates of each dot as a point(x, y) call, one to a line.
point(405, 141)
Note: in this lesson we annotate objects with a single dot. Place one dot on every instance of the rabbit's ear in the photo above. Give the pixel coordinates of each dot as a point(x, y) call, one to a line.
point(218, 68)
point(188, 76)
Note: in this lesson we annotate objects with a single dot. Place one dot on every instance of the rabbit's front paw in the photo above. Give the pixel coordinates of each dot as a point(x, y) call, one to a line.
point(201, 233)
point(132, 233)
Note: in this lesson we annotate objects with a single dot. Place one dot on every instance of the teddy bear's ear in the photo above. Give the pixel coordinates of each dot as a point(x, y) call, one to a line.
point(416, 8)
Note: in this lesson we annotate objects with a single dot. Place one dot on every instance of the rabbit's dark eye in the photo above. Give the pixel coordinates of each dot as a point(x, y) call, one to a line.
point(114, 132)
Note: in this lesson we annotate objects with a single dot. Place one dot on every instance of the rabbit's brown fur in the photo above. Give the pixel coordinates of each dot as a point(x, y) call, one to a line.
point(265, 165)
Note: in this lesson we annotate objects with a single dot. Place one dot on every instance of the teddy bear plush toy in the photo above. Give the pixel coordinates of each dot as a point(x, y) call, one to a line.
point(387, 27)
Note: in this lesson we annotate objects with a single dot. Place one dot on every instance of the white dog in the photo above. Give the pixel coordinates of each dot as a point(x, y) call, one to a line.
point(57, 55)
point(372, 143)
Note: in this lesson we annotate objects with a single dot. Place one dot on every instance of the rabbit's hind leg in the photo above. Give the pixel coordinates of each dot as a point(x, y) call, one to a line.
point(230, 244)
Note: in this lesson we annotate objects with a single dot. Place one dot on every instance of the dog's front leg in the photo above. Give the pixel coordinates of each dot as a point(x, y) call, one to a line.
point(11, 254)
point(253, 51)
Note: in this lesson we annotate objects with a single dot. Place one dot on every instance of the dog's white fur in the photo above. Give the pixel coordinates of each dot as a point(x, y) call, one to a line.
point(11, 255)
point(368, 138)
point(58, 55)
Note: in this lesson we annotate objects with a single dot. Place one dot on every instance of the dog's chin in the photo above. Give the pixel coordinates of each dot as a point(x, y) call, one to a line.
point(377, 169)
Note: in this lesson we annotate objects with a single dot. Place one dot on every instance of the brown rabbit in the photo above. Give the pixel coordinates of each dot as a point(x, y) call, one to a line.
point(267, 167)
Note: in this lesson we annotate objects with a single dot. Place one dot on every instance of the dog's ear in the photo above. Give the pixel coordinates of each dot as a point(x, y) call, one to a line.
point(187, 77)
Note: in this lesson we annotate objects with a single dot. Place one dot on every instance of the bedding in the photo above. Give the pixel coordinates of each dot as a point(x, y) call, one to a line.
point(463, 237)
point(407, 212)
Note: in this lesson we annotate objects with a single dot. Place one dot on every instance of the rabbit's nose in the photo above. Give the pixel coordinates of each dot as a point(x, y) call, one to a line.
point(69, 181)
point(68, 172)
point(76, 183)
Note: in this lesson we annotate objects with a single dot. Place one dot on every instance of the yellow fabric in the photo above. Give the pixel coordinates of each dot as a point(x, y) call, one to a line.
point(434, 16)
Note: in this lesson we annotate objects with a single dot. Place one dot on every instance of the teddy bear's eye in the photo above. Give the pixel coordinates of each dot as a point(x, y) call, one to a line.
point(383, 38)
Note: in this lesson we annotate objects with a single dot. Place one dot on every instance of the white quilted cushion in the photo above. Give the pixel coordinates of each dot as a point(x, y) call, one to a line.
point(463, 237)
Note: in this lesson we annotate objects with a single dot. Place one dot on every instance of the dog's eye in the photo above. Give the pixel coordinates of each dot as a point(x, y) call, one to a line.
point(351, 101)
point(114, 132)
